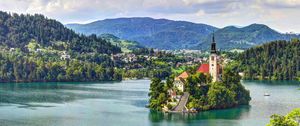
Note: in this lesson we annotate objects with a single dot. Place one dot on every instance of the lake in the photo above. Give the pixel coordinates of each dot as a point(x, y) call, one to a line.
point(123, 104)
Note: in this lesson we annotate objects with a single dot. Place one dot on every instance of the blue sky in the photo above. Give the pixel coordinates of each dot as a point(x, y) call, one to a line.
point(281, 15)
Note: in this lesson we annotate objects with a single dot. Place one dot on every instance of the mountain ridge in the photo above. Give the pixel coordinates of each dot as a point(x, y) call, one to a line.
point(169, 34)
point(155, 33)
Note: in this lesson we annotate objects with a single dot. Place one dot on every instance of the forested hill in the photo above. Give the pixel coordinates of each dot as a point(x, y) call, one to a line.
point(278, 60)
point(245, 37)
point(16, 31)
point(36, 49)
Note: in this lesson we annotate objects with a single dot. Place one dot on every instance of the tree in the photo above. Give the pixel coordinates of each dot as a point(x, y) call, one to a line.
point(220, 97)
point(291, 119)
point(231, 79)
point(157, 94)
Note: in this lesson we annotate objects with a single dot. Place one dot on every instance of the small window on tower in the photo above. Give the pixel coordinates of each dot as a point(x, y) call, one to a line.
point(212, 58)
point(212, 64)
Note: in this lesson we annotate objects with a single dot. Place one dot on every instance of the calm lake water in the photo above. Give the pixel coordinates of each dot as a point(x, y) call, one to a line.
point(123, 104)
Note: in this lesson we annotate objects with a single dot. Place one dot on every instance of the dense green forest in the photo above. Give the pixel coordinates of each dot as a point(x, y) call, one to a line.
point(34, 48)
point(278, 60)
point(21, 67)
point(16, 31)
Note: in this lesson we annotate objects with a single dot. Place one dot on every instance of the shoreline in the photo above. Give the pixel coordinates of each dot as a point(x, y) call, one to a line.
point(124, 79)
point(42, 81)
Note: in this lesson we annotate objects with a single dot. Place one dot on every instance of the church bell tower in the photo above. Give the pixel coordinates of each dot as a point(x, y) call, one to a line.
point(213, 61)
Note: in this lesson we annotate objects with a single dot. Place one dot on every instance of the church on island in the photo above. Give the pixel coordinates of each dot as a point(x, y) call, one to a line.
point(213, 68)
point(201, 92)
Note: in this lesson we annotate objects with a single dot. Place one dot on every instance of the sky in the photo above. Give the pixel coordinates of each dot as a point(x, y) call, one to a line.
point(281, 15)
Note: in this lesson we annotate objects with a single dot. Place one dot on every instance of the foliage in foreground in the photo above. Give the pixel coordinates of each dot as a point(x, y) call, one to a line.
point(291, 119)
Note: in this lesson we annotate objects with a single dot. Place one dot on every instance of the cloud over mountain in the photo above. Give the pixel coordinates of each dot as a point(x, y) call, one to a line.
point(216, 12)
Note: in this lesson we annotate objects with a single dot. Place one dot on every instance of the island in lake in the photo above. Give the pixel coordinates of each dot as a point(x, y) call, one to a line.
point(212, 86)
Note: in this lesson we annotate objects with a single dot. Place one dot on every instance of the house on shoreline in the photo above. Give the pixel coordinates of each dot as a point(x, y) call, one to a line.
point(179, 81)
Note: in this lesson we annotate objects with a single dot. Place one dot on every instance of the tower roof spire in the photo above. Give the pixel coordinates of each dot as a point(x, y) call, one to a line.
point(213, 38)
point(213, 45)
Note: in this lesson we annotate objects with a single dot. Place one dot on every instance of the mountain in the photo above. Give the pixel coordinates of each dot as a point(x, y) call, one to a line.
point(244, 37)
point(17, 31)
point(155, 33)
point(125, 45)
point(168, 34)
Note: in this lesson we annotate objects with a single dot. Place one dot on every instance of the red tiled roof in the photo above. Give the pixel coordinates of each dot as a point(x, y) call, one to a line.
point(204, 68)
point(173, 93)
point(184, 75)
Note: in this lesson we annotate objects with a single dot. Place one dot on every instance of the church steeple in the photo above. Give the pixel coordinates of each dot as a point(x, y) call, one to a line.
point(213, 45)
point(213, 61)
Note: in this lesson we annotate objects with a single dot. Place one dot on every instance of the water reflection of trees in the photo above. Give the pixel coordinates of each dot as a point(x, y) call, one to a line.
point(230, 114)
point(25, 94)
point(272, 82)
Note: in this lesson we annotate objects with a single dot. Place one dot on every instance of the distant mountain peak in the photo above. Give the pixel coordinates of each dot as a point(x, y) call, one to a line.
point(106, 35)
point(258, 26)
point(236, 26)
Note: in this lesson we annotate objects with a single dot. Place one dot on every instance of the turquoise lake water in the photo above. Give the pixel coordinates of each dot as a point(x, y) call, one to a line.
point(123, 104)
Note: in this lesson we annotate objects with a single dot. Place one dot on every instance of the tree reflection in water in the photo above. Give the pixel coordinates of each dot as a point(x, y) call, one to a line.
point(231, 114)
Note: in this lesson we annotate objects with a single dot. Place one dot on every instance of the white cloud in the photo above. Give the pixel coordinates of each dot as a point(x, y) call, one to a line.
point(281, 3)
point(279, 14)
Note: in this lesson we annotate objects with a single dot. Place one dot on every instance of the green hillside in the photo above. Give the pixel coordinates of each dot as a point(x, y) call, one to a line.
point(35, 48)
point(125, 45)
point(278, 60)
point(16, 31)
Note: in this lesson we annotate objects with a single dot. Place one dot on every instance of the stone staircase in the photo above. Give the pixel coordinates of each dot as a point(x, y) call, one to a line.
point(182, 103)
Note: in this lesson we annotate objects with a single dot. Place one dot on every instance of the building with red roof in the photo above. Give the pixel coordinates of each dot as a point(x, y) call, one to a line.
point(184, 75)
point(204, 68)
point(179, 81)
